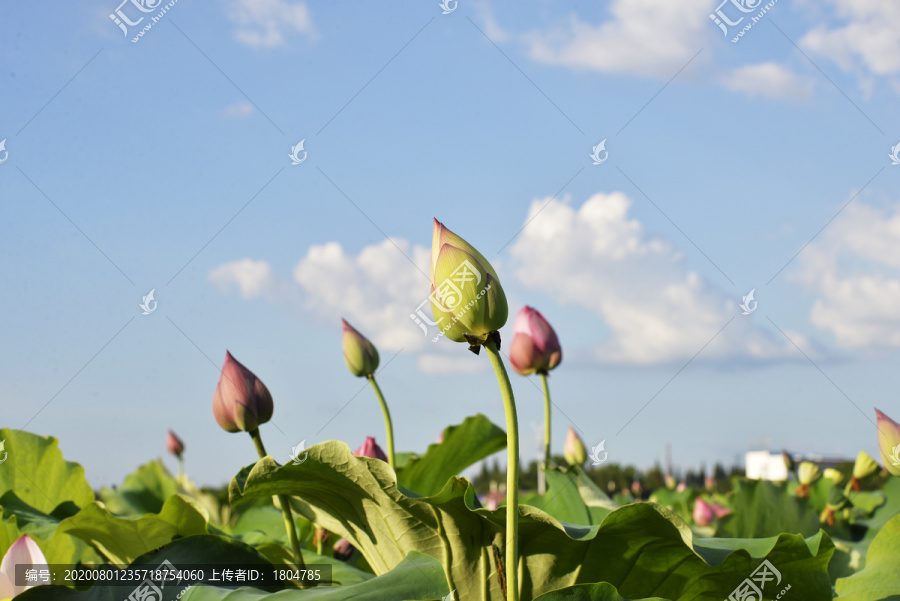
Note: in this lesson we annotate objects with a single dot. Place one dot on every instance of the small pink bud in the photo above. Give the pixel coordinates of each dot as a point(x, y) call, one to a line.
point(720, 511)
point(370, 449)
point(241, 402)
point(889, 442)
point(574, 450)
point(681, 487)
point(24, 550)
point(636, 488)
point(535, 347)
point(710, 483)
point(703, 513)
point(360, 354)
point(174, 444)
point(670, 481)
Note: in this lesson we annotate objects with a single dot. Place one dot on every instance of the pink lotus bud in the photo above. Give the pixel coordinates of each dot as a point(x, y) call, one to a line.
point(343, 550)
point(670, 481)
point(710, 483)
point(535, 347)
point(174, 444)
point(889, 442)
point(24, 550)
point(242, 402)
point(360, 354)
point(574, 450)
point(370, 449)
point(682, 486)
point(467, 299)
point(703, 513)
point(636, 488)
point(720, 511)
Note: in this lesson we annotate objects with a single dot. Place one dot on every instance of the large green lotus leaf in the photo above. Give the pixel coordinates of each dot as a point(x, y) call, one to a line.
point(122, 539)
point(602, 591)
point(463, 445)
point(572, 497)
point(144, 491)
point(21, 518)
point(35, 469)
point(761, 508)
point(203, 549)
point(880, 580)
point(642, 549)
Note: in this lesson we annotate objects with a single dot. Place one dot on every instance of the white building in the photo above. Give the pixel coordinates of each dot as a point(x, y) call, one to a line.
point(765, 465)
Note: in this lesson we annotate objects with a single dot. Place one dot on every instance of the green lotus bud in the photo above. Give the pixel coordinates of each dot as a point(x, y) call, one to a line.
point(574, 450)
point(807, 474)
point(864, 466)
point(466, 297)
point(360, 354)
point(834, 475)
point(889, 442)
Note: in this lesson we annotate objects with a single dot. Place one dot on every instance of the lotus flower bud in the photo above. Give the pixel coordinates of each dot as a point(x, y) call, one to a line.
point(863, 467)
point(703, 513)
point(682, 486)
point(889, 442)
point(360, 354)
point(709, 483)
point(466, 297)
point(574, 450)
point(535, 347)
point(720, 511)
point(26, 551)
point(670, 481)
point(834, 475)
point(807, 474)
point(370, 449)
point(241, 402)
point(174, 444)
point(636, 489)
point(788, 461)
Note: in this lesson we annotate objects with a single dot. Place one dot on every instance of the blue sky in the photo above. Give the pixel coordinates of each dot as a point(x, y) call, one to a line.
point(164, 164)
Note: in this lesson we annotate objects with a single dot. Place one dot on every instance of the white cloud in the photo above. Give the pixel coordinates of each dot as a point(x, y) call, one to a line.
point(854, 268)
point(437, 363)
point(238, 110)
point(267, 23)
point(865, 42)
point(598, 258)
point(376, 290)
point(645, 37)
point(251, 278)
point(769, 80)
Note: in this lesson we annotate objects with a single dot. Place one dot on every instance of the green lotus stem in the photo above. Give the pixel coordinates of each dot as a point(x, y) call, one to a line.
point(285, 507)
point(546, 420)
point(388, 425)
point(180, 467)
point(512, 471)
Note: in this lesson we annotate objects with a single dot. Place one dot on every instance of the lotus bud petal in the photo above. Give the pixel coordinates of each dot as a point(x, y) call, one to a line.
point(636, 489)
point(241, 402)
point(670, 481)
point(574, 450)
point(174, 444)
point(864, 466)
point(703, 513)
point(535, 347)
point(370, 449)
point(467, 299)
point(719, 510)
point(889, 442)
point(808, 472)
point(834, 475)
point(709, 483)
point(24, 550)
point(682, 486)
point(360, 354)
